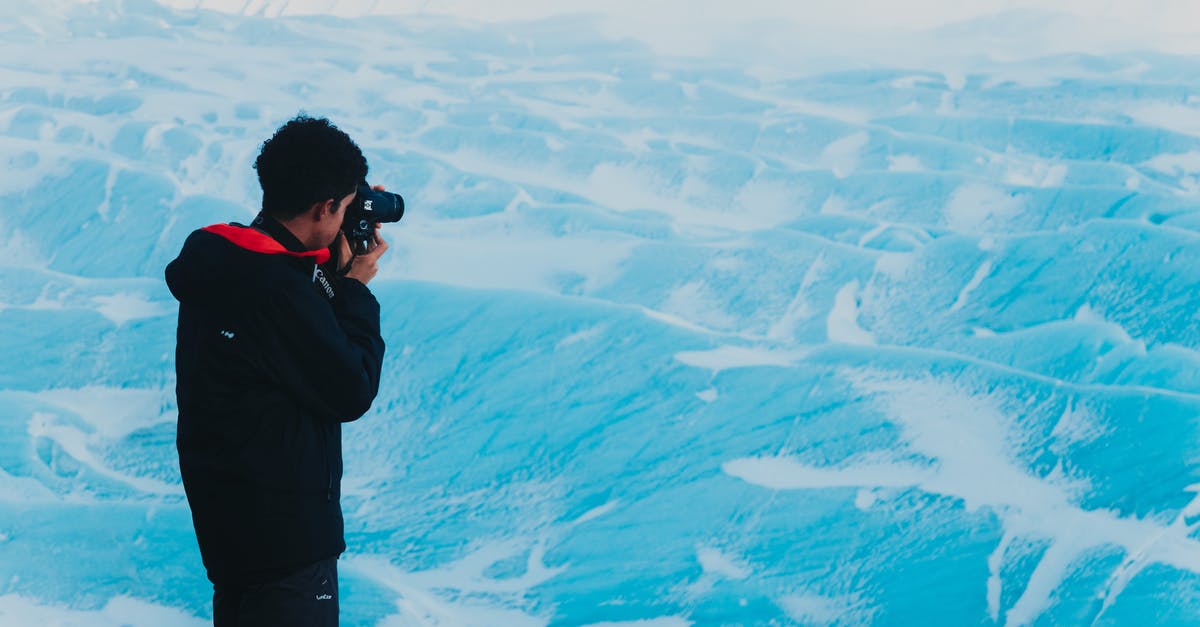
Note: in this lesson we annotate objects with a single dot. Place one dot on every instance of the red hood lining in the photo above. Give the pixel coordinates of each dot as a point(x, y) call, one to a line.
point(259, 242)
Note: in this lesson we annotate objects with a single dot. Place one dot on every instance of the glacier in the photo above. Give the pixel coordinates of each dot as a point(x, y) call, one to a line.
point(738, 325)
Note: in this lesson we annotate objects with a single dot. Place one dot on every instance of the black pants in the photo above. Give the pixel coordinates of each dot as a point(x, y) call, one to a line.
point(306, 598)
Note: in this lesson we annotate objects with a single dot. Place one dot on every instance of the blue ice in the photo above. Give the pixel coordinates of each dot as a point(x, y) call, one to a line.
point(673, 340)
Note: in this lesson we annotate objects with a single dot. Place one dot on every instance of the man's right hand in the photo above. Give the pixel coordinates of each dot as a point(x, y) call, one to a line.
point(366, 266)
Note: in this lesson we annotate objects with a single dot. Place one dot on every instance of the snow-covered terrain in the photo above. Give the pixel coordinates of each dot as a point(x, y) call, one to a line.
point(753, 323)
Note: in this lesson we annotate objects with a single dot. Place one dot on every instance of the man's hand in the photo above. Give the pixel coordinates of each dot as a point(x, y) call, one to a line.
point(365, 267)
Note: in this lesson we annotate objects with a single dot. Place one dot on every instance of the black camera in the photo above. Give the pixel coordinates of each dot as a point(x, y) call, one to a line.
point(369, 206)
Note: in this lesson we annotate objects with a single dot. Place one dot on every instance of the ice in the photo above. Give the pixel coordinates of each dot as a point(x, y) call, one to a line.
point(664, 621)
point(117, 612)
point(811, 609)
point(727, 357)
point(834, 313)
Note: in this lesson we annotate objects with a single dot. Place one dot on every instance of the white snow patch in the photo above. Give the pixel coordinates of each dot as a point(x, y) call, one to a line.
point(840, 112)
point(835, 204)
point(1056, 176)
point(732, 357)
point(763, 204)
point(470, 255)
point(981, 273)
point(995, 583)
point(910, 82)
point(460, 593)
point(696, 302)
point(125, 306)
point(1175, 164)
point(895, 265)
point(1038, 174)
point(813, 609)
point(120, 611)
point(585, 335)
point(676, 321)
point(113, 412)
point(876, 231)
point(728, 263)
point(842, 323)
point(976, 206)
point(1085, 313)
point(596, 512)
point(799, 309)
point(661, 621)
point(865, 498)
point(782, 473)
point(708, 395)
point(842, 155)
point(905, 163)
point(629, 188)
point(714, 561)
point(1173, 117)
point(946, 103)
point(956, 80)
point(1075, 426)
point(78, 444)
point(19, 251)
point(1193, 507)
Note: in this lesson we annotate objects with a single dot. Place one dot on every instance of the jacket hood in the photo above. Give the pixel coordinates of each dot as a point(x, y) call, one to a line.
point(213, 254)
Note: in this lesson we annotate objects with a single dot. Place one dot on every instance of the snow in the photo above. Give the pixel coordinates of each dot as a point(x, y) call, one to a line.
point(826, 313)
point(117, 612)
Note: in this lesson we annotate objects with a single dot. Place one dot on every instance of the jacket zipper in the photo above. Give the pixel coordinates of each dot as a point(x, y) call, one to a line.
point(328, 468)
point(328, 463)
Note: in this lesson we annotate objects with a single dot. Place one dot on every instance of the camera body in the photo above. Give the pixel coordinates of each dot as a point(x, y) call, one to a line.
point(369, 207)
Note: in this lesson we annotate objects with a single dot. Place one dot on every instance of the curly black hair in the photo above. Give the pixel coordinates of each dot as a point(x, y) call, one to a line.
point(308, 160)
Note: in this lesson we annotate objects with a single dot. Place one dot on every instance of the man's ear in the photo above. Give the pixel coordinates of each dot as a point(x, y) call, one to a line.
point(321, 209)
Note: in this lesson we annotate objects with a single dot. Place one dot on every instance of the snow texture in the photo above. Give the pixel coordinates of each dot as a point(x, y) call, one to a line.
point(693, 320)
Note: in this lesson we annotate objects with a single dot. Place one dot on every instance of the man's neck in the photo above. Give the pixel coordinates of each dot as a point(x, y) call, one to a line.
point(278, 232)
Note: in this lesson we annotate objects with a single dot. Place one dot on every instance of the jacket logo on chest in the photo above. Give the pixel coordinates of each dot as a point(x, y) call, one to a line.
point(320, 280)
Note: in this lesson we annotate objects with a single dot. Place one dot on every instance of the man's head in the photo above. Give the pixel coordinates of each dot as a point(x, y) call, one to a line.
point(306, 163)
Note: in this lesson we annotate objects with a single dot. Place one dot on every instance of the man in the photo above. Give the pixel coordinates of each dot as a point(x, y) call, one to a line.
point(278, 345)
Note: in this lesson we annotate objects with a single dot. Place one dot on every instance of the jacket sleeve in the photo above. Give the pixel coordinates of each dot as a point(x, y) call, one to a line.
point(330, 358)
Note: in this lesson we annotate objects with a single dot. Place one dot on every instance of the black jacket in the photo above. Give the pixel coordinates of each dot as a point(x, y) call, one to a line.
point(271, 358)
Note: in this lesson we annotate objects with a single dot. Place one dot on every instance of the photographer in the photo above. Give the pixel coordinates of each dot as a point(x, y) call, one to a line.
point(278, 344)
